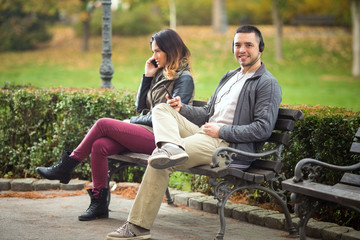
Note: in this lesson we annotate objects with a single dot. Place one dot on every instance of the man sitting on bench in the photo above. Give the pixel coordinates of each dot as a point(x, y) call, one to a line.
point(241, 113)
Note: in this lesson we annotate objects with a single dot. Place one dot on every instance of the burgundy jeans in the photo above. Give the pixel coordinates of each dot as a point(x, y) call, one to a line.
point(107, 137)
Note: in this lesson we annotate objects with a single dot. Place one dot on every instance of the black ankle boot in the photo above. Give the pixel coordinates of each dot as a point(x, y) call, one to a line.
point(60, 171)
point(98, 207)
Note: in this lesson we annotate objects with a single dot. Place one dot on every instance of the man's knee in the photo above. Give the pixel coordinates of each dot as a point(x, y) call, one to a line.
point(161, 107)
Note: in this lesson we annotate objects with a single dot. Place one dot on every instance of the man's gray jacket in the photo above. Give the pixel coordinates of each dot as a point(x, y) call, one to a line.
point(255, 114)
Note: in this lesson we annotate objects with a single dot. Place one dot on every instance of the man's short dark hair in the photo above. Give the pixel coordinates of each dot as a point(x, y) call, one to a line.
point(252, 29)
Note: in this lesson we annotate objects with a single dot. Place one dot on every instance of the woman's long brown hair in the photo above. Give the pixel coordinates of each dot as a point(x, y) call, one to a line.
point(177, 53)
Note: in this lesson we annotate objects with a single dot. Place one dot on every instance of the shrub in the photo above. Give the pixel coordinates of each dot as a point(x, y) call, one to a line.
point(38, 124)
point(22, 33)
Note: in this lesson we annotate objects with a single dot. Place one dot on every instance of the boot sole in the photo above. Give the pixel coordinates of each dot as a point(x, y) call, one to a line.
point(50, 178)
point(94, 218)
point(163, 162)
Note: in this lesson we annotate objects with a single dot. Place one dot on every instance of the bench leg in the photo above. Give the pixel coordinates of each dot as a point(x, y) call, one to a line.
point(304, 209)
point(168, 197)
point(224, 189)
point(290, 225)
point(221, 193)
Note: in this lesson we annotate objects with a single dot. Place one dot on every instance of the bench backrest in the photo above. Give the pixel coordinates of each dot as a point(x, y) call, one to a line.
point(285, 123)
point(355, 147)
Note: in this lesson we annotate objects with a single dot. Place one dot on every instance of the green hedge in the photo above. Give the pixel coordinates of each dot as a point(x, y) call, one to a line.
point(326, 134)
point(37, 124)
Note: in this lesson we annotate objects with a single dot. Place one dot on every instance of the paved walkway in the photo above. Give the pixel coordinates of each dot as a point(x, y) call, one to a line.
point(56, 218)
point(194, 217)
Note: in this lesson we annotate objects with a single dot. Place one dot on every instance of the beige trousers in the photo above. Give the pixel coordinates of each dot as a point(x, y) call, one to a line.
point(170, 126)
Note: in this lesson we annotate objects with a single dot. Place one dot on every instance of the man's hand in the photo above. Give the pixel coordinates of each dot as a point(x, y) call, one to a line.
point(175, 102)
point(212, 130)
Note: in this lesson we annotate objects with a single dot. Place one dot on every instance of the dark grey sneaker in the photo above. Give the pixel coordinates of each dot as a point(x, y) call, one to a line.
point(129, 231)
point(167, 156)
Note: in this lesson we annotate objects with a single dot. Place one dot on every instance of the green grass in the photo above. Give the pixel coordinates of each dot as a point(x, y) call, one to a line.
point(316, 69)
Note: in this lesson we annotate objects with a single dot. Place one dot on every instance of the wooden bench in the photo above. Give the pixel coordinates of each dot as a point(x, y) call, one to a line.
point(309, 195)
point(314, 20)
point(264, 174)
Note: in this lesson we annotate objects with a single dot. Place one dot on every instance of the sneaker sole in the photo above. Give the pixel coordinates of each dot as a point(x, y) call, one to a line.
point(163, 163)
point(129, 238)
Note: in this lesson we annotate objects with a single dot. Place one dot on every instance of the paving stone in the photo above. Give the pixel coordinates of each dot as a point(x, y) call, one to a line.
point(276, 220)
point(74, 184)
point(174, 192)
point(258, 216)
point(210, 206)
point(242, 210)
point(183, 199)
point(197, 202)
point(229, 206)
point(334, 233)
point(5, 184)
point(121, 185)
point(314, 228)
point(23, 184)
point(112, 185)
point(45, 184)
point(352, 235)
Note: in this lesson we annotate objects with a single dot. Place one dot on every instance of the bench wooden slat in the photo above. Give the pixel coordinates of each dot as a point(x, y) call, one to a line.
point(346, 187)
point(355, 147)
point(236, 172)
point(267, 174)
point(267, 165)
point(282, 138)
point(357, 134)
point(284, 124)
point(351, 179)
point(290, 114)
point(198, 103)
point(337, 193)
point(137, 158)
point(208, 171)
point(253, 177)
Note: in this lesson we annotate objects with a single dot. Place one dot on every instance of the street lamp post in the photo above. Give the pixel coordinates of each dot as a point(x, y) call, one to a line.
point(106, 68)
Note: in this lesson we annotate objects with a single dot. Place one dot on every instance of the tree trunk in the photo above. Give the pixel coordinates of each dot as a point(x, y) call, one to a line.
point(172, 7)
point(86, 35)
point(219, 17)
point(278, 27)
point(355, 12)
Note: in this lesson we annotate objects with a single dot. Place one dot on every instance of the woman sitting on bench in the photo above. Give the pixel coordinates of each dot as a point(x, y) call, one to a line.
point(167, 72)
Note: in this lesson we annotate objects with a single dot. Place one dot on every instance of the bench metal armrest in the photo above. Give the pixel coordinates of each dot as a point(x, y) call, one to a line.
point(306, 162)
point(229, 153)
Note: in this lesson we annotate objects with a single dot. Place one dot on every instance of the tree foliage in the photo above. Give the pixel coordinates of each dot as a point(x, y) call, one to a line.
point(23, 24)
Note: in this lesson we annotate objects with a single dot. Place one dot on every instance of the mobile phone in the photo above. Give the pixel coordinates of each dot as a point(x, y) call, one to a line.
point(167, 90)
point(154, 63)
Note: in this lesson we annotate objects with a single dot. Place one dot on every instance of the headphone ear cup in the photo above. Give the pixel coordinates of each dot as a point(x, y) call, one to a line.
point(261, 46)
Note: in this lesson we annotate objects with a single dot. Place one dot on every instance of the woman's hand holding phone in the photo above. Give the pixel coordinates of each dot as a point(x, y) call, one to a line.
point(150, 68)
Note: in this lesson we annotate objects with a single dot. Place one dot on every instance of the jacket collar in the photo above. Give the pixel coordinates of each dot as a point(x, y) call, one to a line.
point(260, 71)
